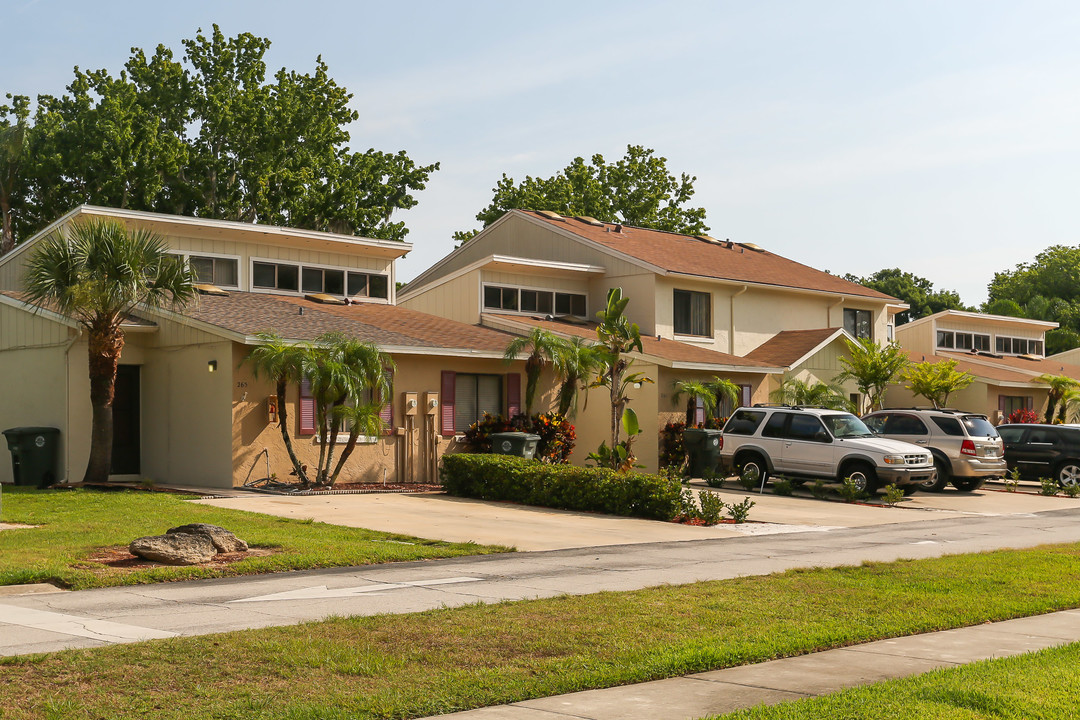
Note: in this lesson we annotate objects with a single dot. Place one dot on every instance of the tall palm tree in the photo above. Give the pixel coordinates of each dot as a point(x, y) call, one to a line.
point(694, 390)
point(543, 347)
point(818, 394)
point(283, 364)
point(576, 362)
point(97, 275)
point(1059, 387)
point(723, 389)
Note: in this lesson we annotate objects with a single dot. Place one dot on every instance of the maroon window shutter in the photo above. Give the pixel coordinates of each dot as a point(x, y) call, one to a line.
point(449, 380)
point(747, 395)
point(387, 413)
point(1001, 404)
point(699, 411)
point(513, 394)
point(307, 408)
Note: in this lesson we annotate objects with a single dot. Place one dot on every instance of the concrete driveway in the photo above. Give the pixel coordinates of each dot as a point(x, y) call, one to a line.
point(442, 517)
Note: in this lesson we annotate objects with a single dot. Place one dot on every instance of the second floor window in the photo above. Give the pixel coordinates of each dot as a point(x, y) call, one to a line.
point(222, 272)
point(692, 313)
point(1019, 346)
point(857, 323)
point(949, 340)
point(544, 302)
point(333, 281)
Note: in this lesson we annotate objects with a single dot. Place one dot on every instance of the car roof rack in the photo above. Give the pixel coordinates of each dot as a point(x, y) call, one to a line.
point(952, 411)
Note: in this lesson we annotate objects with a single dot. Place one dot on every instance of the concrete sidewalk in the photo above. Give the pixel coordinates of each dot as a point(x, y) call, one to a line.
point(805, 676)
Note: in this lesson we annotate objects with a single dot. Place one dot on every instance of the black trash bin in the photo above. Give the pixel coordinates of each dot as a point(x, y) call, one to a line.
point(514, 443)
point(33, 454)
point(703, 450)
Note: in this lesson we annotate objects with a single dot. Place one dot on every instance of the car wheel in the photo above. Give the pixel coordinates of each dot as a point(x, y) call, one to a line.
point(938, 483)
point(969, 484)
point(1068, 473)
point(862, 475)
point(753, 468)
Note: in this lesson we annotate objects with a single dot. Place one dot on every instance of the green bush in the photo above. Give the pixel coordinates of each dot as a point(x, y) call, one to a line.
point(504, 477)
point(557, 435)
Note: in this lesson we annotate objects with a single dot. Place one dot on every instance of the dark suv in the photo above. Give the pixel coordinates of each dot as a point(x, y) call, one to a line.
point(1038, 451)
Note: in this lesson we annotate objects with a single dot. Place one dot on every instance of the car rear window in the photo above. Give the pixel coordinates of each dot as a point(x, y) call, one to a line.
point(774, 427)
point(1011, 434)
point(978, 426)
point(744, 422)
point(949, 426)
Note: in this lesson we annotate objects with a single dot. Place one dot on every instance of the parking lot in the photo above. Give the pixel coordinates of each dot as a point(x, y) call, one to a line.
point(442, 517)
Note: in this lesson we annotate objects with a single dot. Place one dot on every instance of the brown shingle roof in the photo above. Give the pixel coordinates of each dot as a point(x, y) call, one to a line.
point(1019, 365)
point(672, 350)
point(129, 320)
point(384, 325)
point(688, 255)
point(964, 364)
point(789, 346)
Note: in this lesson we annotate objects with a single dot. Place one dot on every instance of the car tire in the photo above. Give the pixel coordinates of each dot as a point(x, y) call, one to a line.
point(863, 475)
point(1068, 473)
point(943, 475)
point(969, 484)
point(755, 466)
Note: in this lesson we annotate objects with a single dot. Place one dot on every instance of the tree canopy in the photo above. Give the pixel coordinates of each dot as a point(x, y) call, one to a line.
point(208, 136)
point(636, 190)
point(918, 292)
point(1046, 289)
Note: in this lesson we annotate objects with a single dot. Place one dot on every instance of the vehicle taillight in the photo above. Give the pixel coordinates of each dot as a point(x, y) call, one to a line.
point(721, 442)
point(968, 448)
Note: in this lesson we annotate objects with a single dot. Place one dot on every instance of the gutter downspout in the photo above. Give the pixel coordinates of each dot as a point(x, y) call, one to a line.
point(67, 403)
point(731, 318)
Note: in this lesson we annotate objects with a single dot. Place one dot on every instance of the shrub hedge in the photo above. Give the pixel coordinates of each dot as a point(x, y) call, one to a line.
point(567, 487)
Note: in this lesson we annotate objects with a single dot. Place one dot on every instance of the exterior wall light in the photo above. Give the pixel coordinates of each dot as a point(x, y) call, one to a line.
point(211, 366)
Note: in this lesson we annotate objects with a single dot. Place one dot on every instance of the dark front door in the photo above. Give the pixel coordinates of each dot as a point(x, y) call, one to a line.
point(125, 449)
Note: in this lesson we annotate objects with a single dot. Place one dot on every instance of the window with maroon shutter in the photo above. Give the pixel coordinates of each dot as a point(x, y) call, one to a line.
point(747, 393)
point(307, 408)
point(513, 394)
point(387, 413)
point(446, 416)
point(699, 411)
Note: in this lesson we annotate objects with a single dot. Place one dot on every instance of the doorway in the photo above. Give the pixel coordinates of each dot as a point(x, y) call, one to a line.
point(126, 421)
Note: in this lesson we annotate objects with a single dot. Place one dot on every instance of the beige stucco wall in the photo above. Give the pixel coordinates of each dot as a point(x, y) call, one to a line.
point(35, 381)
point(979, 397)
point(639, 286)
point(22, 329)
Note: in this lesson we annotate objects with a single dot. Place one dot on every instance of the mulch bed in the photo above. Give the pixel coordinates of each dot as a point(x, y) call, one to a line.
point(349, 489)
point(118, 558)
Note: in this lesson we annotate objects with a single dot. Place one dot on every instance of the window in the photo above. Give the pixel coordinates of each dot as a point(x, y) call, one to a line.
point(857, 322)
point(692, 313)
point(774, 426)
point(368, 285)
point(949, 426)
point(744, 422)
point(475, 395)
point(1008, 404)
point(807, 427)
point(223, 272)
point(275, 276)
point(1019, 346)
point(950, 340)
point(545, 302)
point(317, 280)
point(904, 425)
point(745, 393)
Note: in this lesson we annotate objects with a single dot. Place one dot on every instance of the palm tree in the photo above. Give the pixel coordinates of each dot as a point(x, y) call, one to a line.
point(794, 391)
point(723, 389)
point(544, 347)
point(97, 275)
point(872, 367)
point(1059, 387)
point(694, 390)
point(283, 364)
point(575, 362)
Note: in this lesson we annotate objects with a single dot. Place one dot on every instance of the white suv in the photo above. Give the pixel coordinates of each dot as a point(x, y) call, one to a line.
point(804, 442)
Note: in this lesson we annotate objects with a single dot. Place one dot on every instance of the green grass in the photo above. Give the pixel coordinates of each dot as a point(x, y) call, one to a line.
point(1041, 685)
point(75, 523)
point(400, 666)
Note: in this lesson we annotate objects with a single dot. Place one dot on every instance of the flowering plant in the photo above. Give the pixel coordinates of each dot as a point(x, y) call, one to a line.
point(1023, 415)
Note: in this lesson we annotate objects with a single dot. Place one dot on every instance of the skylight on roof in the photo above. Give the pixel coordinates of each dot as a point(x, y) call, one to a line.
point(550, 215)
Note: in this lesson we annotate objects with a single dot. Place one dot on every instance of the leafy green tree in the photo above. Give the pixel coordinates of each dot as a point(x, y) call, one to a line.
point(872, 367)
point(618, 336)
point(918, 292)
point(211, 136)
point(1059, 387)
point(793, 391)
point(576, 362)
point(936, 381)
point(694, 391)
point(637, 190)
point(1046, 289)
point(544, 347)
point(96, 275)
point(13, 141)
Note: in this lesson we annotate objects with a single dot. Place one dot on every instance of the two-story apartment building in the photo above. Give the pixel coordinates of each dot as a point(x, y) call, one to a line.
point(188, 409)
point(1004, 354)
point(746, 313)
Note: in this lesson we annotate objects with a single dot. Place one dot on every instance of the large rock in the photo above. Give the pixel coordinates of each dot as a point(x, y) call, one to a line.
point(223, 540)
point(174, 549)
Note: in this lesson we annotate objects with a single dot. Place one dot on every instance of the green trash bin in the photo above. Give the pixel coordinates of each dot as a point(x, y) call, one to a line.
point(703, 450)
point(33, 454)
point(514, 443)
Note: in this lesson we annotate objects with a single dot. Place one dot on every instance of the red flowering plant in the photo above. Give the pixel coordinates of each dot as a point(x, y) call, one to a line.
point(672, 449)
point(557, 435)
point(1023, 415)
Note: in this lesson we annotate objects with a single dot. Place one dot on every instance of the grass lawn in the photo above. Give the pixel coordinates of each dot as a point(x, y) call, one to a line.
point(74, 523)
point(400, 666)
point(1040, 685)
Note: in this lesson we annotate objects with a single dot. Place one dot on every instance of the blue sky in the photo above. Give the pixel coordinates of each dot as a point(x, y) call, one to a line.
point(941, 138)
